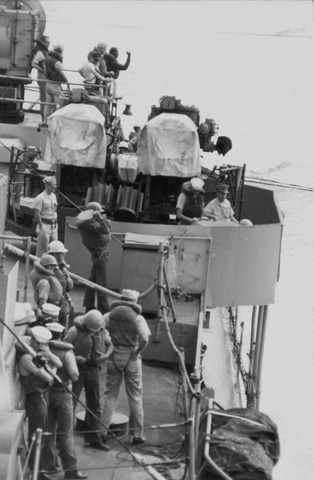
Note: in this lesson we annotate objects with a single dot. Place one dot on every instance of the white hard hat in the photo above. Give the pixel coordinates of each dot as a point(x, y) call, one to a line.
point(41, 334)
point(55, 327)
point(56, 247)
point(50, 309)
point(93, 320)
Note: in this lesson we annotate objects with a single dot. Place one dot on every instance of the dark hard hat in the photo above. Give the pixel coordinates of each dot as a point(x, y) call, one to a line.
point(48, 260)
point(222, 188)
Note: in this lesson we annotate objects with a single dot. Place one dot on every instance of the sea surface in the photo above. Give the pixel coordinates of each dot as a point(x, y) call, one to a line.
point(247, 64)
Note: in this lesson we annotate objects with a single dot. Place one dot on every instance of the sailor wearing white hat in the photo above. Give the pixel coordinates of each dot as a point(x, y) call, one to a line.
point(41, 335)
point(60, 407)
point(130, 335)
point(55, 327)
point(50, 311)
point(36, 381)
point(190, 203)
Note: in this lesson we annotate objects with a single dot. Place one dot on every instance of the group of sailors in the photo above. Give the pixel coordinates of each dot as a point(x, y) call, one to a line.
point(191, 208)
point(100, 68)
point(63, 353)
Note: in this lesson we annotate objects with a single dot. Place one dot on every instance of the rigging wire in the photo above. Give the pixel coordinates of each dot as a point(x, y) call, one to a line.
point(276, 183)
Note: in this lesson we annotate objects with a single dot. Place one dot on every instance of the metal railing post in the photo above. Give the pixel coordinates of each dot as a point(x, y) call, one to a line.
point(38, 434)
point(257, 351)
point(260, 355)
point(27, 262)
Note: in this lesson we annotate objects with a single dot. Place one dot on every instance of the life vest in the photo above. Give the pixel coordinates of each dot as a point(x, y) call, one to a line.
point(31, 383)
point(60, 349)
point(122, 324)
point(87, 344)
point(194, 201)
point(51, 72)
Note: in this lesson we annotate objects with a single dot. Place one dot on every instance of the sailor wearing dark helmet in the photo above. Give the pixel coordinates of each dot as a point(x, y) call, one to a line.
point(60, 407)
point(220, 208)
point(46, 286)
point(36, 381)
point(92, 347)
point(95, 232)
point(190, 202)
point(129, 334)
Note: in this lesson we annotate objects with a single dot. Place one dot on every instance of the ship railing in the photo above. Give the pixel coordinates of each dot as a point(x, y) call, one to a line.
point(250, 374)
point(27, 243)
point(191, 385)
point(109, 93)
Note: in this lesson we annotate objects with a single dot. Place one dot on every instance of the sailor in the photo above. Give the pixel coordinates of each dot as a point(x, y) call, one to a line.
point(60, 408)
point(101, 47)
point(92, 347)
point(220, 208)
point(190, 202)
point(95, 233)
point(91, 74)
point(46, 314)
point(58, 250)
point(129, 333)
point(133, 137)
point(45, 212)
point(36, 381)
point(38, 62)
point(112, 63)
point(56, 75)
point(46, 286)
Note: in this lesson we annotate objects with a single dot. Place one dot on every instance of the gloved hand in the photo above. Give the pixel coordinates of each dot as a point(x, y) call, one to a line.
point(40, 360)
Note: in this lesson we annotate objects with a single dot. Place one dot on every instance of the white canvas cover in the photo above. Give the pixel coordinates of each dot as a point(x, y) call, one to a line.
point(76, 136)
point(127, 167)
point(168, 145)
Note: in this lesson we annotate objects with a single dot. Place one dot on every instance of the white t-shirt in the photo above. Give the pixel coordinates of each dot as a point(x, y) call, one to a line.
point(46, 205)
point(88, 72)
point(222, 211)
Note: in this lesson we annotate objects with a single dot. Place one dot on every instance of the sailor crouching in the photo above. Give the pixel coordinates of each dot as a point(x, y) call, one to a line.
point(60, 408)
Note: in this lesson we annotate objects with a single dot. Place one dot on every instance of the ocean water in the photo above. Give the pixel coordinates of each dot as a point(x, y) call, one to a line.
point(247, 64)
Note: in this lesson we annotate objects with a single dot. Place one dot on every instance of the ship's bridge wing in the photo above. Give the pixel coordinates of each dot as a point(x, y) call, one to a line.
point(168, 145)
